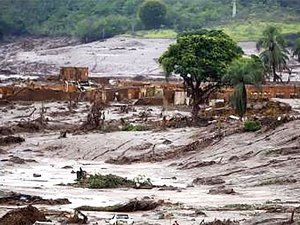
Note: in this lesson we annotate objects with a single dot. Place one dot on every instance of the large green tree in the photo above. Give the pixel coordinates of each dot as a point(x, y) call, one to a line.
point(296, 49)
point(201, 59)
point(242, 72)
point(152, 13)
point(273, 53)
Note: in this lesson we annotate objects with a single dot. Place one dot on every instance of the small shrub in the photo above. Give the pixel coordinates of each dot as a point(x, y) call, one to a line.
point(278, 181)
point(251, 126)
point(108, 181)
point(131, 127)
point(240, 206)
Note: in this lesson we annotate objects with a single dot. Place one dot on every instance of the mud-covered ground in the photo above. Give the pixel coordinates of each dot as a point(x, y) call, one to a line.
point(112, 57)
point(247, 177)
point(252, 178)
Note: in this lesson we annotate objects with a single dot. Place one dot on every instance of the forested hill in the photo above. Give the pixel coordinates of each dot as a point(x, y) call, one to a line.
point(95, 19)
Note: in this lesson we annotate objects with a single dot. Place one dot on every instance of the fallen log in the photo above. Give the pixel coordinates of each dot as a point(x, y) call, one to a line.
point(21, 199)
point(131, 206)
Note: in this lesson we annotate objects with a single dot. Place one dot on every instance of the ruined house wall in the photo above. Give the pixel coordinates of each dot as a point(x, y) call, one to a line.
point(275, 91)
point(169, 96)
point(265, 92)
point(180, 97)
point(74, 73)
point(41, 91)
point(101, 80)
point(134, 93)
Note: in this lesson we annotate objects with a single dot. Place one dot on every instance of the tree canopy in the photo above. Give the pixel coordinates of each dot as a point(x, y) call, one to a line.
point(274, 54)
point(201, 59)
point(90, 19)
point(152, 13)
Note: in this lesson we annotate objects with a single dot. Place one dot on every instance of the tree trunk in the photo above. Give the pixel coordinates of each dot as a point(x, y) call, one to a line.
point(275, 76)
point(196, 108)
point(201, 96)
point(274, 73)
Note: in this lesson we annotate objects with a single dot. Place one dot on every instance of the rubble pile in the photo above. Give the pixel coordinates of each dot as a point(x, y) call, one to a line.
point(268, 108)
point(271, 122)
point(23, 216)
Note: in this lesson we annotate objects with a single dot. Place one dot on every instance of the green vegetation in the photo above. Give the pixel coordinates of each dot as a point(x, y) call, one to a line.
point(274, 54)
point(237, 30)
point(92, 20)
point(251, 126)
point(251, 30)
point(296, 49)
point(131, 127)
point(108, 181)
point(152, 14)
point(241, 207)
point(99, 181)
point(241, 72)
point(199, 58)
point(278, 181)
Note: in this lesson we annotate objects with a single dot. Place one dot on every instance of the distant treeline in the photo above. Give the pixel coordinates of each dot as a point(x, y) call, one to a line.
point(96, 19)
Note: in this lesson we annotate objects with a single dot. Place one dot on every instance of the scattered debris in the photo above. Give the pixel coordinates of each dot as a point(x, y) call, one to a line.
point(81, 175)
point(22, 199)
point(3, 152)
point(67, 167)
point(18, 160)
point(208, 181)
point(11, 140)
point(62, 134)
point(37, 175)
point(95, 118)
point(221, 190)
point(166, 142)
point(195, 164)
point(78, 218)
point(6, 131)
point(27, 126)
point(168, 188)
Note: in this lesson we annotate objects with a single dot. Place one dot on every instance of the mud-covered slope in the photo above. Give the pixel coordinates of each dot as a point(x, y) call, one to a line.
point(248, 159)
point(239, 176)
point(115, 56)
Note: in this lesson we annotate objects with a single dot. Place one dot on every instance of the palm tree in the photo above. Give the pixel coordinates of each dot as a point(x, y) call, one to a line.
point(240, 73)
point(296, 49)
point(274, 54)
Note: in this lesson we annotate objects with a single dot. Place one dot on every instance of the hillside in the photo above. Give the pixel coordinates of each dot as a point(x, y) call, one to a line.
point(92, 20)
